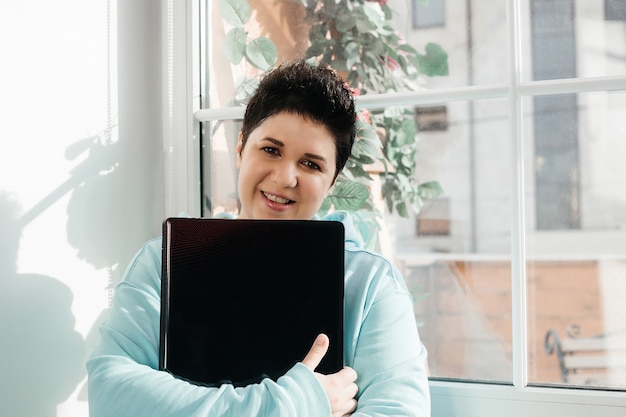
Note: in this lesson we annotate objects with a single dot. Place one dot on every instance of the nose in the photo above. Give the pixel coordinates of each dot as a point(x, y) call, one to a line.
point(285, 175)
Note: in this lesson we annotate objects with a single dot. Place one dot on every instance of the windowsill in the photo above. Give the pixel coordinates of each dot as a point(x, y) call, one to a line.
point(465, 399)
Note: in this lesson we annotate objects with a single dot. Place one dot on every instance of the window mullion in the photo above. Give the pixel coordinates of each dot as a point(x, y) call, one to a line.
point(518, 270)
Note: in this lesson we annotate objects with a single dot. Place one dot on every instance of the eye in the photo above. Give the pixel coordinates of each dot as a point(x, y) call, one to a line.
point(270, 150)
point(311, 165)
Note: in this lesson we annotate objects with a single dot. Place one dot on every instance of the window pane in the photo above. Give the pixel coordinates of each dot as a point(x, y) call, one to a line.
point(428, 14)
point(230, 70)
point(472, 33)
point(219, 173)
point(455, 254)
point(219, 170)
point(569, 38)
point(575, 275)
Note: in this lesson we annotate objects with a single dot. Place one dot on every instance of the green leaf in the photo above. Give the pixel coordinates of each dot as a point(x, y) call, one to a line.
point(317, 35)
point(374, 15)
point(434, 62)
point(358, 171)
point(366, 159)
point(345, 21)
point(405, 47)
point(367, 142)
point(407, 159)
point(351, 50)
point(235, 12)
point(402, 211)
point(246, 88)
point(388, 12)
point(393, 112)
point(349, 196)
point(363, 22)
point(430, 189)
point(261, 52)
point(235, 45)
point(417, 204)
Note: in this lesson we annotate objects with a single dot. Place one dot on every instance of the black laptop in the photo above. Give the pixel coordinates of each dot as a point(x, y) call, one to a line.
point(243, 300)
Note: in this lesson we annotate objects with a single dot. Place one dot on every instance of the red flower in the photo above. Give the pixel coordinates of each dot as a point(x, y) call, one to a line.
point(392, 64)
point(353, 90)
point(364, 116)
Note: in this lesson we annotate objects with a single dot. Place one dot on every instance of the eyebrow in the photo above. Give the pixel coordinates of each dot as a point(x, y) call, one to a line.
point(308, 155)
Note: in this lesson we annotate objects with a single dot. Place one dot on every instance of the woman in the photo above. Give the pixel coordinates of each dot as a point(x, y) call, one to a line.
point(296, 137)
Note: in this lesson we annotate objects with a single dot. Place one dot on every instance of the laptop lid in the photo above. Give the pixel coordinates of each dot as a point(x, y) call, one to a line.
point(244, 299)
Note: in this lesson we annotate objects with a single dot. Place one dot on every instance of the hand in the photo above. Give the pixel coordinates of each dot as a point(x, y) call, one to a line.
point(339, 387)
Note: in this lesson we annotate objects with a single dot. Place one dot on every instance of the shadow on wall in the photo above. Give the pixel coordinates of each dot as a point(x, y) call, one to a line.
point(96, 210)
point(101, 223)
point(41, 355)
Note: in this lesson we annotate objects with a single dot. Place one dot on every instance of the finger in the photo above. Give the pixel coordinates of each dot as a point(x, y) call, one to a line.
point(348, 408)
point(317, 352)
point(349, 373)
point(352, 406)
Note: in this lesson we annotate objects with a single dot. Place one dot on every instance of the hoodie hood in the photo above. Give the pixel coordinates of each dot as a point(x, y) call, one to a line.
point(353, 239)
point(352, 236)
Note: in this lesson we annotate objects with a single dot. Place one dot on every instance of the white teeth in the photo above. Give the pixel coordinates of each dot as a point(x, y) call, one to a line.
point(276, 199)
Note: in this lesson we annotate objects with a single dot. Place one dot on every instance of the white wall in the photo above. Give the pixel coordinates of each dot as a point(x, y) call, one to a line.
point(81, 215)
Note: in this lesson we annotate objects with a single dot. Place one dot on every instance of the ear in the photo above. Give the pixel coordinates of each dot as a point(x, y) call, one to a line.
point(239, 149)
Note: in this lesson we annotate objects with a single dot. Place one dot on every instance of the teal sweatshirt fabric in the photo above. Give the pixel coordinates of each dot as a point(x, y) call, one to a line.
point(381, 343)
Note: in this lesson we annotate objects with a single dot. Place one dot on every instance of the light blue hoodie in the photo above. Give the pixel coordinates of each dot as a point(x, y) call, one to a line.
point(381, 344)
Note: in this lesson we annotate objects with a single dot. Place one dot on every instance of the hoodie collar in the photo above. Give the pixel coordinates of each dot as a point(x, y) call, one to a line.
point(353, 239)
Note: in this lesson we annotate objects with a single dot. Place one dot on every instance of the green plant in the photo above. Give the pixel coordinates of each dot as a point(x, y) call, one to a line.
point(356, 38)
point(259, 52)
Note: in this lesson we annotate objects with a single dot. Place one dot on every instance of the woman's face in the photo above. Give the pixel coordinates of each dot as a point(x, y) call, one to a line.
point(286, 168)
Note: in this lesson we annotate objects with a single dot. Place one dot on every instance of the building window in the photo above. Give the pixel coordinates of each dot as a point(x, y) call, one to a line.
point(434, 218)
point(555, 123)
point(615, 10)
point(429, 13)
point(432, 118)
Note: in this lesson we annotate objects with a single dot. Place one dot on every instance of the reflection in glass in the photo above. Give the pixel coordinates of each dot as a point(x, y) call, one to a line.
point(473, 34)
point(219, 172)
point(455, 253)
point(576, 39)
point(576, 269)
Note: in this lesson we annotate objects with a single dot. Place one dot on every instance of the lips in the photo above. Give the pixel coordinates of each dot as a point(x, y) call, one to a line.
point(277, 199)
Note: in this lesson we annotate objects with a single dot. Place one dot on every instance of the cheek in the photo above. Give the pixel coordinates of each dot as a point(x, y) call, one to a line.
point(250, 171)
point(322, 188)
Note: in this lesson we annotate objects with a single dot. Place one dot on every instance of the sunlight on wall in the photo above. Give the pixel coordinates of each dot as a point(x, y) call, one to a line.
point(57, 89)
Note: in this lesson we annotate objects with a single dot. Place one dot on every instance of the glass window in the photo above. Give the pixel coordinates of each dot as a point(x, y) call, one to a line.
point(571, 38)
point(428, 13)
point(614, 10)
point(220, 175)
point(576, 277)
point(526, 146)
point(462, 278)
point(472, 33)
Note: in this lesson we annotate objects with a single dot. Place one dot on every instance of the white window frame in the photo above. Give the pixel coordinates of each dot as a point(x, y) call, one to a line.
point(182, 116)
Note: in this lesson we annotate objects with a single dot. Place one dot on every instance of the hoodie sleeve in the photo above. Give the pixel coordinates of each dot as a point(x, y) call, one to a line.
point(124, 379)
point(387, 353)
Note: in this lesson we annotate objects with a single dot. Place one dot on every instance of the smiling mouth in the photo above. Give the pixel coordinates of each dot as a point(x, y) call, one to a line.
point(277, 199)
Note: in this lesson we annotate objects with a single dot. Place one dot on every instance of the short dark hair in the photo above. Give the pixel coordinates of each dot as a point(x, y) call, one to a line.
point(315, 92)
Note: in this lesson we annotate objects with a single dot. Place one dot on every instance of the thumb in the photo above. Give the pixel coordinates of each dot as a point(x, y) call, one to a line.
point(317, 352)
